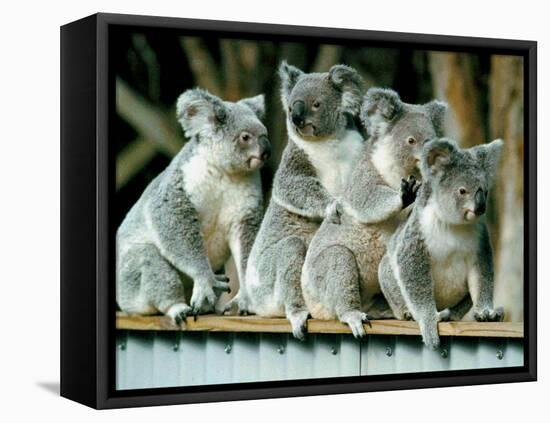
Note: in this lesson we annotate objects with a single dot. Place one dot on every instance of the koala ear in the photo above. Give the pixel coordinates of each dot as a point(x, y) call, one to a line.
point(198, 110)
point(436, 155)
point(289, 76)
point(489, 156)
point(257, 104)
point(436, 111)
point(380, 106)
point(347, 80)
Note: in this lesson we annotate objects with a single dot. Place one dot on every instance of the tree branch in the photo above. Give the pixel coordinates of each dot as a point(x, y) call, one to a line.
point(148, 121)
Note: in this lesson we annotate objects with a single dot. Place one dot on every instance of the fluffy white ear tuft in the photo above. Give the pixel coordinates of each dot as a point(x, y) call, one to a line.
point(379, 107)
point(197, 110)
point(256, 104)
point(350, 83)
point(289, 77)
point(436, 155)
point(436, 111)
point(489, 156)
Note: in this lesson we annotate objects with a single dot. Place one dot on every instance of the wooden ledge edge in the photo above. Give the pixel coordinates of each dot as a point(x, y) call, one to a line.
point(215, 323)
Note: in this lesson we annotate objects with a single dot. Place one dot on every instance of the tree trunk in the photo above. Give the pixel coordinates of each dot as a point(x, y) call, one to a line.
point(453, 82)
point(506, 122)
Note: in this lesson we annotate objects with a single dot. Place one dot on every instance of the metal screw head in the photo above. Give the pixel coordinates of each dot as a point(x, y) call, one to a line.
point(122, 345)
point(281, 349)
point(333, 350)
point(500, 354)
point(389, 351)
point(228, 349)
point(444, 353)
point(176, 347)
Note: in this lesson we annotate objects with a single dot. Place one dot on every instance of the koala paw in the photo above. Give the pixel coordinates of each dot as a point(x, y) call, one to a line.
point(489, 315)
point(409, 189)
point(355, 319)
point(298, 321)
point(334, 212)
point(408, 316)
point(236, 305)
point(444, 315)
point(429, 331)
point(206, 292)
point(178, 313)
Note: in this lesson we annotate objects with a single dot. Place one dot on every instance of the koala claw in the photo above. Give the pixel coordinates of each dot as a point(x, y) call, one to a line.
point(355, 319)
point(367, 321)
point(298, 321)
point(489, 315)
point(178, 313)
point(444, 315)
point(408, 316)
point(409, 189)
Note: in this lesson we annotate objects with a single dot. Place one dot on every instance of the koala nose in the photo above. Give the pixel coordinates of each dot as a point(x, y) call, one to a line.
point(479, 202)
point(265, 148)
point(298, 113)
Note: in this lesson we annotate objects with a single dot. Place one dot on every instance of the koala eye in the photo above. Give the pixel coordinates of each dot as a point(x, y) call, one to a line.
point(316, 104)
point(462, 191)
point(245, 137)
point(411, 141)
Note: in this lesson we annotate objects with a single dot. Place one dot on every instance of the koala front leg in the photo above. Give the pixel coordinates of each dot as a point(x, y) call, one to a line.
point(391, 290)
point(297, 188)
point(415, 280)
point(176, 229)
point(291, 257)
point(242, 238)
point(480, 283)
point(343, 282)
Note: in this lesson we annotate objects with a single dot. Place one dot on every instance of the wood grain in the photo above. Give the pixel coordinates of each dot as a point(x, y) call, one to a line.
point(214, 323)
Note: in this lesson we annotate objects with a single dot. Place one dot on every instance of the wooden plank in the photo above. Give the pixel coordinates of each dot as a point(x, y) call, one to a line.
point(214, 323)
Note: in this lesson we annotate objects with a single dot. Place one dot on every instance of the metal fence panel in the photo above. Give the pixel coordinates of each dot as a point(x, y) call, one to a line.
point(164, 359)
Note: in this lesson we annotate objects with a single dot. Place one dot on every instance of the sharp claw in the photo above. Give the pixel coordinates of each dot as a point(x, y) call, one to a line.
point(367, 321)
point(195, 314)
point(177, 319)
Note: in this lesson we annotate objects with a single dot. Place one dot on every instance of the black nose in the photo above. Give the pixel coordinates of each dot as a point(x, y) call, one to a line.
point(266, 154)
point(479, 202)
point(265, 148)
point(298, 113)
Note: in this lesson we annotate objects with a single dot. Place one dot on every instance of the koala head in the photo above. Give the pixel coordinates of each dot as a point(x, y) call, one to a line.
point(231, 133)
point(317, 105)
point(399, 130)
point(460, 178)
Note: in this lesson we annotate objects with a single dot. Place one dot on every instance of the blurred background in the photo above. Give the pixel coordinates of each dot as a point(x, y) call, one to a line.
point(484, 92)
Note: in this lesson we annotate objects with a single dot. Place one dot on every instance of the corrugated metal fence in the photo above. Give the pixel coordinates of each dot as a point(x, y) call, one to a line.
point(147, 359)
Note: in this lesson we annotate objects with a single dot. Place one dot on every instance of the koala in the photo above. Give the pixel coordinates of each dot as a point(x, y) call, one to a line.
point(205, 206)
point(340, 274)
point(323, 147)
point(442, 253)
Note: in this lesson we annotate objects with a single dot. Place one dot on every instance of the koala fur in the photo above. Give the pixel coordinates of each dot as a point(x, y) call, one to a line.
point(322, 149)
point(340, 275)
point(442, 254)
point(206, 205)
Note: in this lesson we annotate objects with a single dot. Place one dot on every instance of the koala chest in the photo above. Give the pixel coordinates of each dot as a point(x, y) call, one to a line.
point(451, 252)
point(220, 203)
point(334, 159)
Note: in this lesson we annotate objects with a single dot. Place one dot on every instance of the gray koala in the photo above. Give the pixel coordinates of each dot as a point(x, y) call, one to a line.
point(442, 253)
point(323, 147)
point(206, 205)
point(340, 274)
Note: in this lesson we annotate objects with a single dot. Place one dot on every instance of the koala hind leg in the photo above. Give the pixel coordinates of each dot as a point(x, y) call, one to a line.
point(160, 285)
point(292, 252)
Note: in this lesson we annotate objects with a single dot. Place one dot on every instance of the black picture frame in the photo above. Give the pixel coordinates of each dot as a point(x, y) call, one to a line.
point(87, 233)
